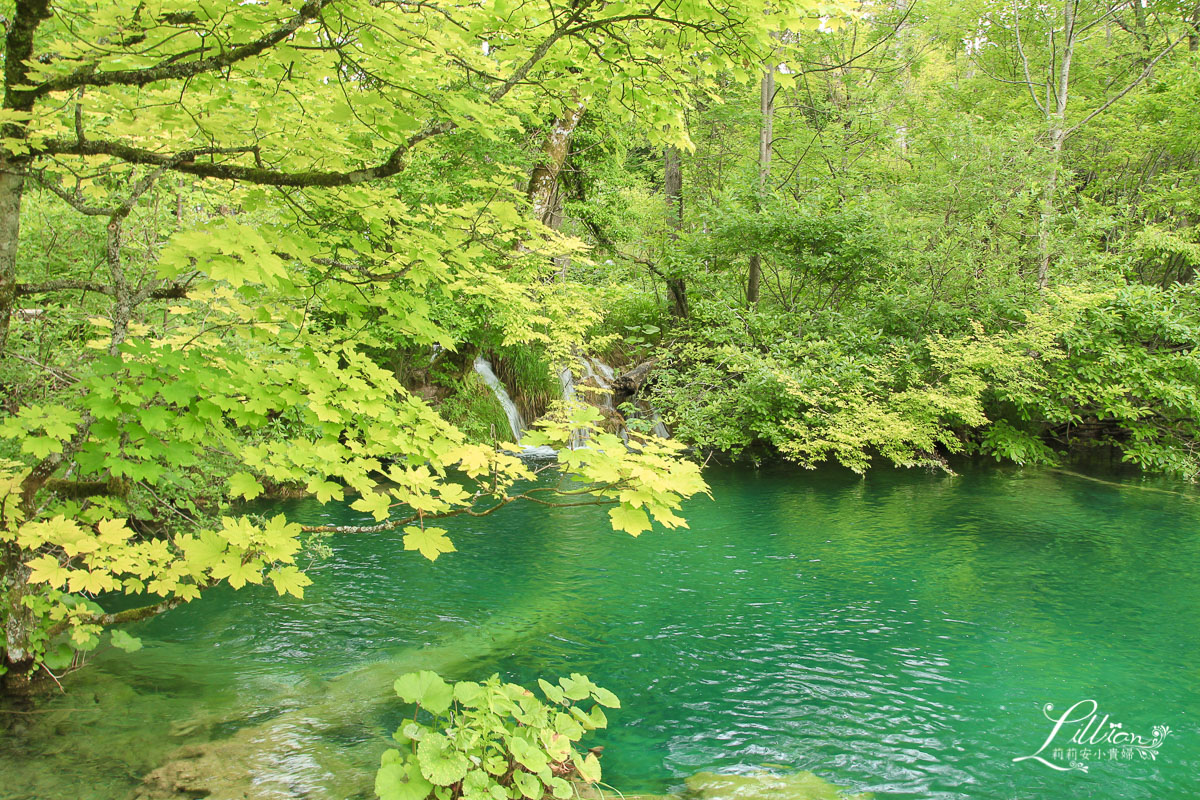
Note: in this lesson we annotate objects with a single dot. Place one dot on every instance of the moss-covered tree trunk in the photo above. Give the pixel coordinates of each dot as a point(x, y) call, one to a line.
point(673, 188)
point(17, 648)
point(18, 49)
point(543, 191)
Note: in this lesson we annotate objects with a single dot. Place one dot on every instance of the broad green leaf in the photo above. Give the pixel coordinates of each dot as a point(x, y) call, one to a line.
point(289, 580)
point(553, 693)
point(605, 698)
point(631, 520)
point(529, 785)
point(426, 689)
point(243, 484)
point(377, 504)
point(398, 780)
point(431, 542)
point(441, 763)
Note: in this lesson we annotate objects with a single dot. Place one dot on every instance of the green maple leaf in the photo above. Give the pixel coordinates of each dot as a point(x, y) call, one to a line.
point(46, 569)
point(629, 519)
point(179, 392)
point(377, 504)
point(90, 581)
point(237, 573)
point(243, 484)
point(40, 446)
point(325, 490)
point(289, 580)
point(431, 542)
point(204, 550)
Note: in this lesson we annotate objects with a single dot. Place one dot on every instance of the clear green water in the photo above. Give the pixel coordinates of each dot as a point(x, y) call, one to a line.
point(897, 634)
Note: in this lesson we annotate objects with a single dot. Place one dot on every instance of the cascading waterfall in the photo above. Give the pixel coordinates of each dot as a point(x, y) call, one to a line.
point(566, 379)
point(602, 375)
point(595, 373)
point(660, 429)
point(598, 375)
point(515, 421)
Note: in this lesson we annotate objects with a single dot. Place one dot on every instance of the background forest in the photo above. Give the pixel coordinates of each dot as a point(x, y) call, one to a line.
point(258, 248)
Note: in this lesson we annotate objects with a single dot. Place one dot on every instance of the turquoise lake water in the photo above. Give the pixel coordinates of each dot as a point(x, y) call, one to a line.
point(898, 634)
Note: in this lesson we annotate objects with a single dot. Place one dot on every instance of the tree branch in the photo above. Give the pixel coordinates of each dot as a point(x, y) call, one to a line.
point(173, 291)
point(120, 617)
point(1132, 85)
point(1025, 60)
point(88, 76)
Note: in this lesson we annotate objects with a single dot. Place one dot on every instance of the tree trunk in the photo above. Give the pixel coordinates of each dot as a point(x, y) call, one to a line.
point(12, 185)
point(628, 384)
point(15, 651)
point(18, 622)
point(673, 188)
point(543, 191)
point(1049, 210)
point(766, 134)
point(1057, 95)
point(18, 49)
point(1141, 30)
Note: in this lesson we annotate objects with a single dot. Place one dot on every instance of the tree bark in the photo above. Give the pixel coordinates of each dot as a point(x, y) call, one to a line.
point(766, 134)
point(17, 649)
point(628, 384)
point(673, 188)
point(18, 49)
point(14, 575)
point(543, 192)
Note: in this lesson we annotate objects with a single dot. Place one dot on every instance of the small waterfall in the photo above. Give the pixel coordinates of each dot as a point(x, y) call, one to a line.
point(601, 375)
point(594, 374)
point(515, 421)
point(566, 379)
point(660, 430)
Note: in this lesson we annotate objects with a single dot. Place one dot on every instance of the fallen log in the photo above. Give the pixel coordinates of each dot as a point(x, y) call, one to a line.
point(628, 384)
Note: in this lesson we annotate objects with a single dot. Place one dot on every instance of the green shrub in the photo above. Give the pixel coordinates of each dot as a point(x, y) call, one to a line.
point(492, 740)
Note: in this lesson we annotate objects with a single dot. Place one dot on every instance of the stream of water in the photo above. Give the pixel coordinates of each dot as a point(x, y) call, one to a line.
point(899, 634)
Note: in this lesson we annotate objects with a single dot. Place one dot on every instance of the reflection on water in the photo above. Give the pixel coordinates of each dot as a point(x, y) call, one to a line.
point(897, 634)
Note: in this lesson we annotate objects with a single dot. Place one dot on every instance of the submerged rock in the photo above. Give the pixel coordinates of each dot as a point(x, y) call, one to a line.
point(274, 766)
point(798, 785)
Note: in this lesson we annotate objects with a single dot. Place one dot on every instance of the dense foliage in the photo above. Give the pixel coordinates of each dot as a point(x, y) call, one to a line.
point(229, 231)
point(967, 228)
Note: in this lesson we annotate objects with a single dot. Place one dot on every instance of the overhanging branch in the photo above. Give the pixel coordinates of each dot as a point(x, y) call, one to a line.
point(88, 76)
